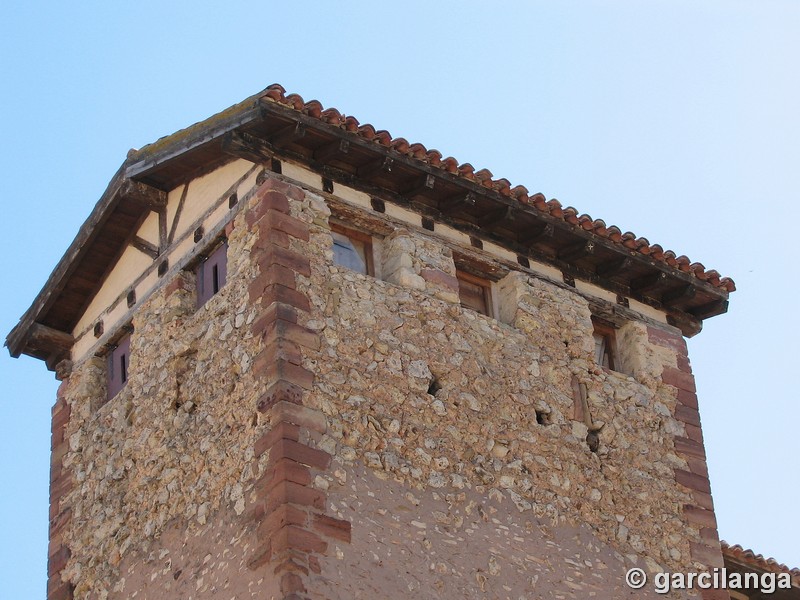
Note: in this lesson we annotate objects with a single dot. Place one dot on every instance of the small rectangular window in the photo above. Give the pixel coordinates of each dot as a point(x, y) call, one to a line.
point(605, 348)
point(118, 363)
point(474, 292)
point(352, 250)
point(212, 273)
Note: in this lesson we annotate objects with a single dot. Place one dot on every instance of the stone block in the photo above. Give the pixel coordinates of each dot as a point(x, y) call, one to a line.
point(303, 416)
point(699, 516)
point(301, 453)
point(280, 391)
point(678, 379)
point(672, 340)
point(283, 470)
point(690, 448)
point(692, 481)
point(710, 556)
point(335, 528)
point(297, 538)
point(281, 430)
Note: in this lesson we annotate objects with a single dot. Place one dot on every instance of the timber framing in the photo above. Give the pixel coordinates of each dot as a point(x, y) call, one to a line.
point(264, 131)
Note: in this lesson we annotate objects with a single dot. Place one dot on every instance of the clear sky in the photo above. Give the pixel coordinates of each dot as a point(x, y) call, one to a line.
point(677, 120)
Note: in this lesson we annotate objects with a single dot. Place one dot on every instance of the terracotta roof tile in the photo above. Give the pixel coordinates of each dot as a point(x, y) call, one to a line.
point(748, 557)
point(313, 108)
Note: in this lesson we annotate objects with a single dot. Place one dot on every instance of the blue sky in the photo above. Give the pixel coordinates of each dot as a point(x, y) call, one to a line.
point(676, 120)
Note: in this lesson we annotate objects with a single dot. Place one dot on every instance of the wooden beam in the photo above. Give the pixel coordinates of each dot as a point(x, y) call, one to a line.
point(534, 234)
point(496, 216)
point(162, 229)
point(246, 146)
point(677, 295)
point(613, 267)
point(647, 283)
point(327, 151)
point(42, 337)
point(147, 196)
point(449, 204)
point(576, 251)
point(711, 309)
point(420, 186)
point(380, 164)
point(178, 212)
point(288, 134)
point(145, 247)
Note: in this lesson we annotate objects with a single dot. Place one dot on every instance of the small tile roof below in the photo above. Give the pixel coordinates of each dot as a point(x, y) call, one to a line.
point(750, 558)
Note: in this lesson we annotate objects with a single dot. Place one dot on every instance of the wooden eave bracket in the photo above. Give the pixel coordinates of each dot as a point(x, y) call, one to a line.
point(246, 146)
point(146, 196)
point(42, 342)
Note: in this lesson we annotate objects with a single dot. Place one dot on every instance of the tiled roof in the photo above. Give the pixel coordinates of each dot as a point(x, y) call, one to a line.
point(748, 557)
point(484, 177)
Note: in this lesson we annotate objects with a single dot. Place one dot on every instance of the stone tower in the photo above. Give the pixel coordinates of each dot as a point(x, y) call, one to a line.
point(302, 359)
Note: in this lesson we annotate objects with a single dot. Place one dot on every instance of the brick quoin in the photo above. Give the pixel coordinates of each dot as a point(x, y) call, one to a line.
point(61, 482)
point(290, 514)
point(691, 448)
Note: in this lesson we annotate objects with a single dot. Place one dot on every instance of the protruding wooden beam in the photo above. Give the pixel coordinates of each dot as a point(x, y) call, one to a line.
point(448, 205)
point(612, 267)
point(288, 134)
point(381, 164)
point(711, 309)
point(496, 216)
point(420, 186)
point(143, 194)
point(576, 251)
point(647, 283)
point(42, 337)
point(536, 233)
point(246, 146)
point(145, 247)
point(677, 295)
point(331, 149)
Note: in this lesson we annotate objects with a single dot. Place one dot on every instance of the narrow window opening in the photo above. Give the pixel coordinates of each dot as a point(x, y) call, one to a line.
point(98, 329)
point(605, 351)
point(211, 274)
point(593, 441)
point(131, 298)
point(476, 242)
point(275, 165)
point(117, 366)
point(233, 200)
point(623, 301)
point(569, 279)
point(198, 234)
point(215, 277)
point(542, 418)
point(474, 292)
point(327, 185)
point(427, 223)
point(162, 267)
point(523, 260)
point(352, 250)
point(377, 205)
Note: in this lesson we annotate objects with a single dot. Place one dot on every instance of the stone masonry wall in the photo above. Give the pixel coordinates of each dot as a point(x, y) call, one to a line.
point(453, 405)
point(311, 432)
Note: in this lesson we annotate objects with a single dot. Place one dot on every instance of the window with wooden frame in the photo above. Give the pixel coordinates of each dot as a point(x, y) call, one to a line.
point(118, 361)
point(211, 273)
point(352, 250)
point(475, 292)
point(605, 344)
